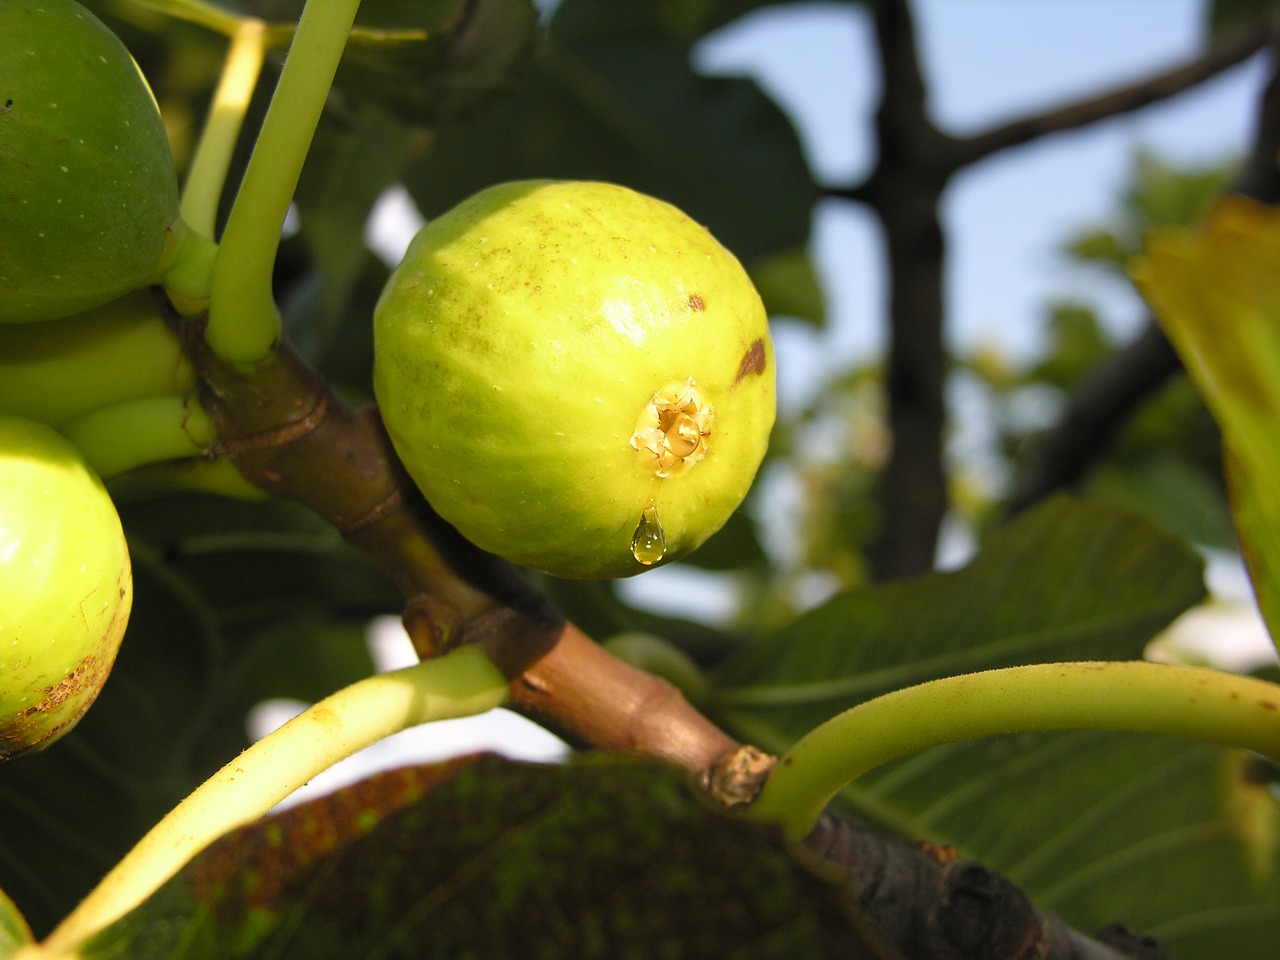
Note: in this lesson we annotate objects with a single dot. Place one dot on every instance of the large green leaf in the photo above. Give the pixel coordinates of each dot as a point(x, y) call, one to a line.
point(611, 95)
point(1217, 296)
point(1067, 581)
point(487, 858)
point(1178, 840)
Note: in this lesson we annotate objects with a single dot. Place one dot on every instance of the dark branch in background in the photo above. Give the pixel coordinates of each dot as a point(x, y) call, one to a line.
point(905, 191)
point(1104, 400)
point(1096, 410)
point(1228, 51)
point(916, 161)
point(930, 903)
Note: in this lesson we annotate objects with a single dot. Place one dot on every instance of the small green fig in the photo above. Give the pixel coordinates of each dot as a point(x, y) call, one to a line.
point(89, 189)
point(578, 377)
point(62, 369)
point(66, 586)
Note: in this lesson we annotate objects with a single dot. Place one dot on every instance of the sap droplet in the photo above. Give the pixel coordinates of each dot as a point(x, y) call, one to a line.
point(649, 543)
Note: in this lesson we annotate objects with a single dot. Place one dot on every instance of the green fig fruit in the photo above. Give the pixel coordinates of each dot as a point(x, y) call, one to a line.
point(66, 586)
point(62, 369)
point(577, 376)
point(89, 189)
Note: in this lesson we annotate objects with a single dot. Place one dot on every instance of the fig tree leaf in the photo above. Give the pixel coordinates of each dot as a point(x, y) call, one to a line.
point(1223, 15)
point(349, 166)
point(789, 286)
point(611, 96)
point(1068, 580)
point(469, 52)
point(1177, 839)
point(734, 545)
point(488, 858)
point(13, 928)
point(1216, 294)
point(1076, 345)
point(1166, 195)
point(1100, 246)
point(1176, 494)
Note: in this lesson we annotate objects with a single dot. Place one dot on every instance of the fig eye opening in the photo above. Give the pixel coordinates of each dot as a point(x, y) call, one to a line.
point(673, 430)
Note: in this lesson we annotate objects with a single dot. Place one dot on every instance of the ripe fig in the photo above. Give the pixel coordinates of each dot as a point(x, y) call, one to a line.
point(577, 376)
point(89, 184)
point(66, 586)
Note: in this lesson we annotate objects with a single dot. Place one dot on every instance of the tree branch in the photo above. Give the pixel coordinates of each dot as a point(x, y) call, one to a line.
point(929, 902)
point(905, 191)
point(1228, 51)
point(1096, 410)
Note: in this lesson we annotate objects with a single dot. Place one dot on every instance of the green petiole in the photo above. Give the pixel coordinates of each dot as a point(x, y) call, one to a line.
point(244, 321)
point(462, 683)
point(1133, 696)
point(208, 172)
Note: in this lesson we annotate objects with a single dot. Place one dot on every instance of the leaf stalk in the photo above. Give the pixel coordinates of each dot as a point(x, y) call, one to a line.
point(1132, 696)
point(462, 683)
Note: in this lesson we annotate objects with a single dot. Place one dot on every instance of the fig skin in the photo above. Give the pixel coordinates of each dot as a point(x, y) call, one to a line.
point(90, 190)
point(520, 348)
point(66, 586)
point(59, 370)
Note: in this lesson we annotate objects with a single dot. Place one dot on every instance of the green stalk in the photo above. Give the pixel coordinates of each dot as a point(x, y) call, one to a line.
point(244, 322)
point(208, 172)
point(139, 432)
point(212, 475)
point(1133, 696)
point(462, 683)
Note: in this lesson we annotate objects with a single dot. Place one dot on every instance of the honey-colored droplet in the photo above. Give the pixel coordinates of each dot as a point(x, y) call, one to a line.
point(649, 543)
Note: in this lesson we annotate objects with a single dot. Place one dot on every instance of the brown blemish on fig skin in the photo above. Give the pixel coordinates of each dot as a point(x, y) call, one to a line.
point(696, 303)
point(753, 361)
point(25, 734)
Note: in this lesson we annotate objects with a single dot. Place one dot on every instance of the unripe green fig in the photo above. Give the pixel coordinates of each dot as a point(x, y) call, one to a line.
point(62, 369)
point(66, 586)
point(89, 185)
point(577, 376)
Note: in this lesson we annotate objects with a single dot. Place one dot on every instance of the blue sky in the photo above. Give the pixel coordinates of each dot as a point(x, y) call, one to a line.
point(987, 61)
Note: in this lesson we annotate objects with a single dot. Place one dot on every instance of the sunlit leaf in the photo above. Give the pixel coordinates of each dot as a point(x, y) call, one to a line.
point(13, 928)
point(1217, 295)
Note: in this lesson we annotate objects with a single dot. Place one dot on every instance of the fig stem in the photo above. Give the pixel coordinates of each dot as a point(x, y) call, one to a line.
point(461, 683)
point(208, 172)
point(135, 433)
point(213, 475)
point(1132, 696)
point(244, 322)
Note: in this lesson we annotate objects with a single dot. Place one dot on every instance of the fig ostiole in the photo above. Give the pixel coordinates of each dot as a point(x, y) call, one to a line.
point(578, 377)
point(90, 190)
point(66, 586)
